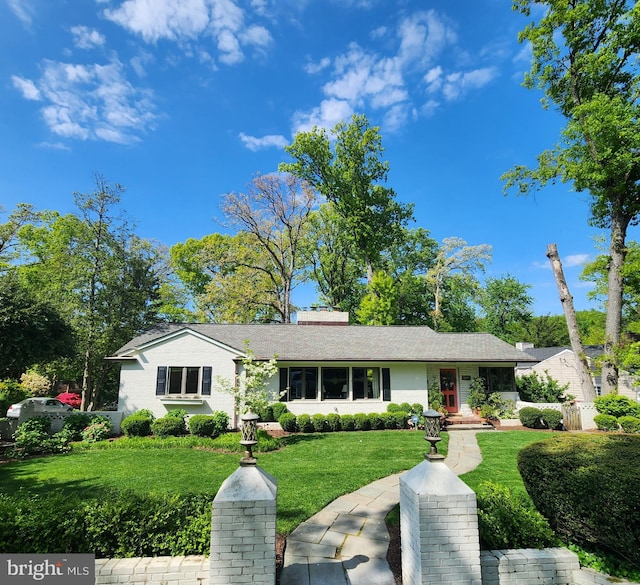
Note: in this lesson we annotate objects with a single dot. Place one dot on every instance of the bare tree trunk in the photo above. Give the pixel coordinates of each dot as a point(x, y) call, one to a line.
point(586, 382)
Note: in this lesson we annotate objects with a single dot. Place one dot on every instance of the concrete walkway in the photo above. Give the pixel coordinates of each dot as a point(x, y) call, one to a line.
point(347, 542)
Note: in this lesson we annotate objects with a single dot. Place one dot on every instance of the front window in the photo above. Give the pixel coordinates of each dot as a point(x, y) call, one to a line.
point(366, 383)
point(303, 383)
point(183, 380)
point(335, 383)
point(498, 379)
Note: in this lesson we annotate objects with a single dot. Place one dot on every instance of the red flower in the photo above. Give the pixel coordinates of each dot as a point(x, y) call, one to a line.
point(70, 398)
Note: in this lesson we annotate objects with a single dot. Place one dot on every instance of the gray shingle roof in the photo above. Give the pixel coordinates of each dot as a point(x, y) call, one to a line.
point(345, 343)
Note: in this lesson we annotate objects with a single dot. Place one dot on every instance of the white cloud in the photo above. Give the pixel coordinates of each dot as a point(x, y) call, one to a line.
point(423, 37)
point(326, 115)
point(575, 260)
point(456, 84)
point(87, 38)
point(27, 88)
point(23, 11)
point(189, 20)
point(255, 143)
point(90, 102)
point(313, 68)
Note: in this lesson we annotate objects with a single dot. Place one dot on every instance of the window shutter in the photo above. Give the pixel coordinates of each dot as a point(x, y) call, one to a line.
point(284, 383)
point(161, 382)
point(386, 384)
point(206, 381)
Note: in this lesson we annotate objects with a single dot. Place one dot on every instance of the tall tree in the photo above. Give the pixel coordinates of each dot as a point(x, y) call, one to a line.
point(380, 305)
point(454, 259)
point(23, 214)
point(348, 172)
point(585, 60)
point(507, 306)
point(275, 211)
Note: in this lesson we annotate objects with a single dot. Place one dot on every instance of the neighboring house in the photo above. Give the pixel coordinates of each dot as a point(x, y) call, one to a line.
point(323, 367)
point(561, 365)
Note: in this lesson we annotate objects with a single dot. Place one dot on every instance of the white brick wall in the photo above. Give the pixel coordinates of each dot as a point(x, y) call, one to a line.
point(551, 566)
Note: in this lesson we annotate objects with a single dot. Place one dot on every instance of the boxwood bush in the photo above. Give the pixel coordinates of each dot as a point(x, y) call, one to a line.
point(209, 425)
point(551, 418)
point(376, 422)
point(278, 408)
point(168, 426)
point(531, 417)
point(348, 422)
point(587, 488)
point(362, 422)
point(304, 423)
point(288, 422)
point(137, 425)
point(617, 405)
point(606, 422)
point(319, 422)
point(629, 424)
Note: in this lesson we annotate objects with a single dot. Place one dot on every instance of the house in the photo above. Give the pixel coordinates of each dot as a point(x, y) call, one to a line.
point(324, 366)
point(561, 364)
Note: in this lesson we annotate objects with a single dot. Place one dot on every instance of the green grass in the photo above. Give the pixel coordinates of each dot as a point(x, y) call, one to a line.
point(499, 458)
point(312, 470)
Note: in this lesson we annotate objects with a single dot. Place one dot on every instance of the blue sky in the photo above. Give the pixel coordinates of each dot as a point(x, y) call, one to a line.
point(183, 100)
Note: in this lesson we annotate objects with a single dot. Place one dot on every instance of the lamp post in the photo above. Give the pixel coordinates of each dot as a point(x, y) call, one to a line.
point(432, 434)
point(249, 431)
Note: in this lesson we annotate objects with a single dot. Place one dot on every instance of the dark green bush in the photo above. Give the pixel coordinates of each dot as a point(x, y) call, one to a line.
point(111, 525)
point(319, 422)
point(629, 424)
point(606, 422)
point(32, 438)
point(75, 423)
point(402, 419)
point(279, 408)
point(531, 417)
point(508, 520)
point(266, 413)
point(288, 422)
point(168, 426)
point(551, 418)
point(393, 407)
point(617, 405)
point(179, 413)
point(587, 488)
point(348, 422)
point(304, 423)
point(376, 422)
point(389, 420)
point(362, 422)
point(405, 407)
point(417, 409)
point(333, 422)
point(209, 425)
point(136, 425)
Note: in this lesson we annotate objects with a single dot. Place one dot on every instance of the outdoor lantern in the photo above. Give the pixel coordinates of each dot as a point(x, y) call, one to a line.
point(249, 432)
point(432, 433)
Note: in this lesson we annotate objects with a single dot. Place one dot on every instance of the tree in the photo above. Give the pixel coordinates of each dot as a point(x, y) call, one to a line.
point(31, 330)
point(544, 331)
point(22, 215)
point(585, 60)
point(275, 211)
point(454, 258)
point(506, 305)
point(380, 305)
point(351, 176)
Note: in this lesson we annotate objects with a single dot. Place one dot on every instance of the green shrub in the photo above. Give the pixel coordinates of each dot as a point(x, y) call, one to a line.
point(586, 486)
point(279, 408)
point(136, 425)
point(388, 419)
point(402, 420)
point(417, 408)
point(606, 422)
point(617, 405)
point(319, 422)
point(288, 422)
point(179, 413)
point(75, 423)
point(32, 438)
point(508, 520)
point(231, 442)
point(333, 422)
point(168, 426)
point(266, 413)
point(629, 424)
point(96, 431)
point(405, 407)
point(209, 425)
point(376, 422)
point(535, 388)
point(531, 417)
point(393, 407)
point(552, 418)
point(304, 423)
point(145, 412)
point(348, 422)
point(362, 422)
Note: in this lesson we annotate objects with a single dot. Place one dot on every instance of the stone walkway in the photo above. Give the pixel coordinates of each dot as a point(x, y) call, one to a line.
point(346, 543)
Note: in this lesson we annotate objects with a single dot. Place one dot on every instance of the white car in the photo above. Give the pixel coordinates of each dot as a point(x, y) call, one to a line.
point(41, 404)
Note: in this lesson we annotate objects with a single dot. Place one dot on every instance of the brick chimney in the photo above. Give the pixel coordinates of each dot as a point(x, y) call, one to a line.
point(322, 316)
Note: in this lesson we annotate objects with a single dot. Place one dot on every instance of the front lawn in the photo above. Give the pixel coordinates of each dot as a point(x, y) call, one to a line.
point(312, 469)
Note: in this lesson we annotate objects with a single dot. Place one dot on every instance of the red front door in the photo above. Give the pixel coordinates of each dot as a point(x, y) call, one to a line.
point(448, 387)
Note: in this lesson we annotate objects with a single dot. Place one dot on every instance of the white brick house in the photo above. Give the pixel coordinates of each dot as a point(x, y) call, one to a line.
point(324, 368)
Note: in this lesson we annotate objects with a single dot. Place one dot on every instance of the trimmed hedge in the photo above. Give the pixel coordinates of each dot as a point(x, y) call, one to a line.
point(606, 422)
point(333, 422)
point(209, 425)
point(586, 486)
point(137, 425)
point(617, 405)
point(288, 422)
point(629, 424)
point(319, 422)
point(551, 418)
point(304, 423)
point(531, 417)
point(168, 426)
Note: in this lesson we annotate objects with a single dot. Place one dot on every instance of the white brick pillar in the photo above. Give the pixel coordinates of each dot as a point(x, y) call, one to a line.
point(439, 527)
point(243, 530)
